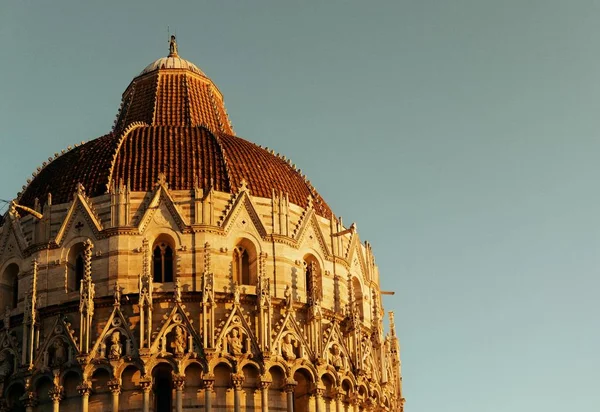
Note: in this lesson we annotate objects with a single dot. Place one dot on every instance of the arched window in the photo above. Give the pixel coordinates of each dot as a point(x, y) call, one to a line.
point(162, 262)
point(75, 266)
point(313, 280)
point(10, 286)
point(358, 298)
point(243, 266)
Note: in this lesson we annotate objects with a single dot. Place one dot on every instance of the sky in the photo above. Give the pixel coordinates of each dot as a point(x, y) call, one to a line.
point(461, 136)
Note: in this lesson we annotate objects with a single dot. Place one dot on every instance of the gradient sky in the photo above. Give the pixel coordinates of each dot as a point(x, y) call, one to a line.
point(461, 136)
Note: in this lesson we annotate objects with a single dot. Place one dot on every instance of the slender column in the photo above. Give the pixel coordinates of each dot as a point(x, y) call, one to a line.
point(179, 383)
point(318, 398)
point(237, 381)
point(339, 397)
point(29, 400)
point(209, 383)
point(264, 395)
point(115, 387)
point(84, 390)
point(146, 385)
point(289, 390)
point(56, 395)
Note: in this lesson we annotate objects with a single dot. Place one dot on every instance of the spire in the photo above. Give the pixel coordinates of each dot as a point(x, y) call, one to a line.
point(173, 46)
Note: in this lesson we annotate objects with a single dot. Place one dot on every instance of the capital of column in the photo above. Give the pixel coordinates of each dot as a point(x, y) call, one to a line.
point(29, 399)
point(289, 385)
point(237, 380)
point(264, 384)
point(114, 385)
point(208, 381)
point(319, 392)
point(178, 382)
point(145, 383)
point(84, 389)
point(56, 393)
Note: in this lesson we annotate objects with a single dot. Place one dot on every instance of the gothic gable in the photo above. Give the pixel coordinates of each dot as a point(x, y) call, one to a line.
point(81, 219)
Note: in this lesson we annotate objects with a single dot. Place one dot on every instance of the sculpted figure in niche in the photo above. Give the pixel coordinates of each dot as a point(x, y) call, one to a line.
point(235, 343)
point(115, 348)
point(60, 353)
point(179, 344)
point(287, 347)
point(336, 358)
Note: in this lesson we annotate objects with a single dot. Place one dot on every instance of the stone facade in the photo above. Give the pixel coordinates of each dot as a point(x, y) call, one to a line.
point(195, 299)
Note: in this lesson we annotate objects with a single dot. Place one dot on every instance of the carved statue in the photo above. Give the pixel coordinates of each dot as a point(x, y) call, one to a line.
point(177, 290)
point(287, 294)
point(60, 353)
point(235, 343)
point(115, 348)
point(179, 344)
point(117, 294)
point(287, 347)
point(336, 358)
point(236, 293)
point(173, 46)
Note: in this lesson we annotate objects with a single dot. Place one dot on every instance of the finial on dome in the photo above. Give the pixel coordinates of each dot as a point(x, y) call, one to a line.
point(173, 46)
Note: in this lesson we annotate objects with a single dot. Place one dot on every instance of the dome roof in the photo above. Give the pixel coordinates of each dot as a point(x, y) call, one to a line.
point(172, 62)
point(172, 122)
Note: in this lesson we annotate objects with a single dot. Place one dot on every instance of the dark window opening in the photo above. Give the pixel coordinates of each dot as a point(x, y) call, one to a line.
point(79, 269)
point(162, 263)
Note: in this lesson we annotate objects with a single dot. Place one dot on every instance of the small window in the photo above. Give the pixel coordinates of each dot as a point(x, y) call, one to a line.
point(313, 281)
point(241, 266)
point(75, 267)
point(162, 262)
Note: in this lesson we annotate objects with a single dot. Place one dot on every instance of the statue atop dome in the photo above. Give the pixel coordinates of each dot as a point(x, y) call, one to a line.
point(173, 46)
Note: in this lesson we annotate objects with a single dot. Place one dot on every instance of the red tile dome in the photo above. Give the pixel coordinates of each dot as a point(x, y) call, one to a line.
point(172, 120)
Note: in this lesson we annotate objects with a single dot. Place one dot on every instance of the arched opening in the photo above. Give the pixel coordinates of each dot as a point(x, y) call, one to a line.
point(163, 387)
point(243, 265)
point(193, 396)
point(42, 389)
point(10, 286)
point(250, 394)
point(100, 395)
point(75, 266)
point(277, 397)
point(358, 304)
point(223, 396)
point(163, 260)
point(13, 398)
point(347, 388)
point(131, 395)
point(313, 281)
point(71, 400)
point(329, 394)
point(302, 390)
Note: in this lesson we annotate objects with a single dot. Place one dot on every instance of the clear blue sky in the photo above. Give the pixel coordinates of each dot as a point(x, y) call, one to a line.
point(463, 137)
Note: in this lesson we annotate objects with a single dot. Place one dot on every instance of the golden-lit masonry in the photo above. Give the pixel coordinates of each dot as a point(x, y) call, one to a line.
point(170, 265)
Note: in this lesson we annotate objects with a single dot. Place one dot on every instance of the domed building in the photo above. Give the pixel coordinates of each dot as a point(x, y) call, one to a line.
point(170, 265)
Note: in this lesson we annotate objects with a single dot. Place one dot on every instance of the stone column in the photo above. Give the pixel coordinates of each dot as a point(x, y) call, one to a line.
point(179, 383)
point(56, 395)
point(289, 390)
point(209, 383)
point(145, 386)
point(29, 401)
point(115, 388)
point(339, 397)
point(319, 398)
point(354, 402)
point(264, 395)
point(237, 380)
point(84, 391)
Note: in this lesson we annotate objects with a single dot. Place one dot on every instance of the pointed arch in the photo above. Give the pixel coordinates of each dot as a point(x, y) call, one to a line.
point(9, 283)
